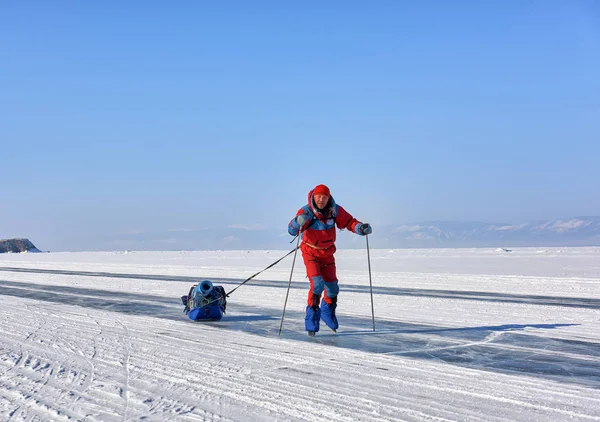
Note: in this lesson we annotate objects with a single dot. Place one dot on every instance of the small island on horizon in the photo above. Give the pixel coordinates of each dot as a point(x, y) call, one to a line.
point(17, 246)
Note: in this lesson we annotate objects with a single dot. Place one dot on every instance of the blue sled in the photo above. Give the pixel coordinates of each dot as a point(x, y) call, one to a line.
point(214, 313)
point(205, 302)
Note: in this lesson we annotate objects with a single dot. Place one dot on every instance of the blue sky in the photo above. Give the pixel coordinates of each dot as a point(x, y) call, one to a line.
point(137, 116)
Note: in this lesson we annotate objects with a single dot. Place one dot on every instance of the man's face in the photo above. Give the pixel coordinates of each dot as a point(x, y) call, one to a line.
point(321, 200)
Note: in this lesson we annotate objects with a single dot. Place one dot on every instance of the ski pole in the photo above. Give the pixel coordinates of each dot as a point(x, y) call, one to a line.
point(370, 281)
point(289, 284)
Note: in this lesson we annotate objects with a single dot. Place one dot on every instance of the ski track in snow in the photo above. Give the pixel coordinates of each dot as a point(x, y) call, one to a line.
point(102, 337)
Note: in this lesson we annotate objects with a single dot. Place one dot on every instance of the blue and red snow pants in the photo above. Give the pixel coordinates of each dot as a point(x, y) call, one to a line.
point(320, 269)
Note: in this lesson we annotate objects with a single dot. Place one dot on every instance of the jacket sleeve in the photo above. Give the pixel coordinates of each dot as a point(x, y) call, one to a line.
point(345, 221)
point(294, 227)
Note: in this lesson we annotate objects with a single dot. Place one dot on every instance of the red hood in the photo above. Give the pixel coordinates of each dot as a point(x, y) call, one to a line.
point(310, 197)
point(314, 209)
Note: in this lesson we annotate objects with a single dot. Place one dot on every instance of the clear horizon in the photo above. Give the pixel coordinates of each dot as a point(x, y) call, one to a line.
point(138, 117)
point(574, 232)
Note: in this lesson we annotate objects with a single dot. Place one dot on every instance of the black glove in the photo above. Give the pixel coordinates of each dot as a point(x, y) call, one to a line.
point(365, 229)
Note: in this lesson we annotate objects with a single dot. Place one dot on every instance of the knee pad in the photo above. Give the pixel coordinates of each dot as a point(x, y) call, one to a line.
point(332, 288)
point(318, 284)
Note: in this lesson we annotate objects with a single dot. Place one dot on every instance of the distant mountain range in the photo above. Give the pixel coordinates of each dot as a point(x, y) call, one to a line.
point(578, 231)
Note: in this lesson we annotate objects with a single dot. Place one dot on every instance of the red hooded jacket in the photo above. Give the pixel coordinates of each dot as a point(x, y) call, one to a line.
point(319, 232)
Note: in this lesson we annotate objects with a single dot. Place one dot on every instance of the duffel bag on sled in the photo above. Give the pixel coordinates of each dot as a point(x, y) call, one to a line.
point(205, 302)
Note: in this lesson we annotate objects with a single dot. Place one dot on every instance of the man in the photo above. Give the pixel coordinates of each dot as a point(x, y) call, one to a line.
point(316, 222)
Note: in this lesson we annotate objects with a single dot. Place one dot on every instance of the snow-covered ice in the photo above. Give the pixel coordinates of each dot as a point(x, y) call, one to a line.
point(461, 334)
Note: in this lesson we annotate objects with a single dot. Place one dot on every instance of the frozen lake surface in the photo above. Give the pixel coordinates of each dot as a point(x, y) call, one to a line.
point(461, 334)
